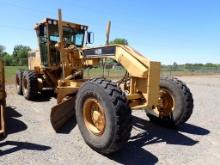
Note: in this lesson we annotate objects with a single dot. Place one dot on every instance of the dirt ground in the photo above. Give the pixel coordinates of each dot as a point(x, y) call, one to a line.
point(31, 139)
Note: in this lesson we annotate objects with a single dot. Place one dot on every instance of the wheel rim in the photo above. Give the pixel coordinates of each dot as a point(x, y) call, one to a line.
point(166, 103)
point(94, 116)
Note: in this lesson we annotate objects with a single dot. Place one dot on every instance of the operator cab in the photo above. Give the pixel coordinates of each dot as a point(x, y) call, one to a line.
point(48, 37)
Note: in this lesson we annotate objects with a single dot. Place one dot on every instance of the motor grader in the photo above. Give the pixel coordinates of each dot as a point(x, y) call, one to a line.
point(2, 102)
point(102, 107)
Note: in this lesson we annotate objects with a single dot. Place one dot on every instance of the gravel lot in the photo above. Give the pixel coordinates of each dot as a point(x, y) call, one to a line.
point(31, 139)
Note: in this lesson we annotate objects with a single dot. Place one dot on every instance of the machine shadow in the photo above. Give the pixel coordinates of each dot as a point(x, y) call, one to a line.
point(150, 133)
point(13, 146)
point(13, 124)
point(132, 154)
point(154, 133)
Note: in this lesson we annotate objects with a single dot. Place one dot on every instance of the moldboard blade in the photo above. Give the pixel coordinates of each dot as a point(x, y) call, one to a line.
point(62, 113)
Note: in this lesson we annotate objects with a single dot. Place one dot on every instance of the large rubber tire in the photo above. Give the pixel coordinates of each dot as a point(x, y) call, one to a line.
point(117, 114)
point(18, 82)
point(183, 103)
point(30, 85)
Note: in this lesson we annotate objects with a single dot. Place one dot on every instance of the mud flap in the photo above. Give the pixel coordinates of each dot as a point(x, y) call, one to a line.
point(2, 122)
point(62, 113)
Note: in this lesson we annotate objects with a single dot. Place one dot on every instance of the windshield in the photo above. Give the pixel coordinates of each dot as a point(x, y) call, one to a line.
point(71, 36)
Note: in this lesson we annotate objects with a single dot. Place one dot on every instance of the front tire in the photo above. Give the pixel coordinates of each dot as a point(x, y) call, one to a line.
point(175, 103)
point(103, 115)
point(30, 85)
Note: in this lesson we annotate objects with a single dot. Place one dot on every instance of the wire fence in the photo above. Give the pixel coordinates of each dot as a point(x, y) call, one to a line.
point(189, 70)
point(111, 73)
point(118, 72)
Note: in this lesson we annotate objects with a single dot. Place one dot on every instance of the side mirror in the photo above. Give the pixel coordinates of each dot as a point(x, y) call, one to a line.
point(90, 37)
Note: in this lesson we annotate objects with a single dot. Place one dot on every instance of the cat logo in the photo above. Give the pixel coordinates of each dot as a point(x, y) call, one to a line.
point(98, 51)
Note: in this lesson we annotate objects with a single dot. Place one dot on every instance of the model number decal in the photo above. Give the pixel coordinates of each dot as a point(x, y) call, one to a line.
point(98, 51)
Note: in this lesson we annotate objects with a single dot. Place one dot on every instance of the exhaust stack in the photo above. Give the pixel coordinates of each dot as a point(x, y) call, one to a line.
point(60, 29)
point(108, 32)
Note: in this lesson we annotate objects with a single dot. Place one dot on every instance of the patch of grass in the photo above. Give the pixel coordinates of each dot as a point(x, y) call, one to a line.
point(10, 72)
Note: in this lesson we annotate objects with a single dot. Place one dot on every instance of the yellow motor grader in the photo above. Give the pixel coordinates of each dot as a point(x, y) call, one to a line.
point(102, 107)
point(2, 102)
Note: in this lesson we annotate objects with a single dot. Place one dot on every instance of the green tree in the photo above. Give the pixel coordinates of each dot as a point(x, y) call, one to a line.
point(121, 41)
point(20, 53)
point(8, 59)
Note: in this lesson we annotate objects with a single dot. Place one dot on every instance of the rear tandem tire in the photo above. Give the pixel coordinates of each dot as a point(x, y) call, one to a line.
point(117, 115)
point(183, 103)
point(18, 82)
point(30, 85)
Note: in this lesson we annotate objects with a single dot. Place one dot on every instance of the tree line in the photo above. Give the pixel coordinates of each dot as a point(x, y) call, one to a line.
point(19, 56)
point(191, 66)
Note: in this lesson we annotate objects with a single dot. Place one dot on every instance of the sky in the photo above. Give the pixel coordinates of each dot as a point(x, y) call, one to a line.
point(182, 31)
